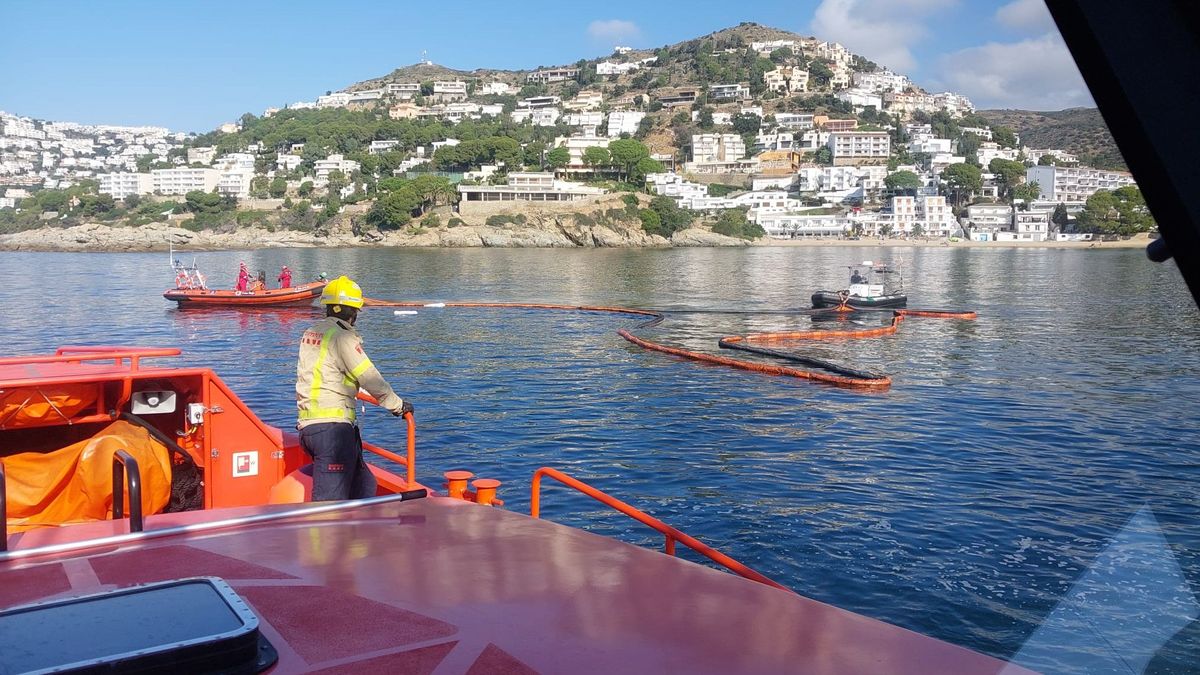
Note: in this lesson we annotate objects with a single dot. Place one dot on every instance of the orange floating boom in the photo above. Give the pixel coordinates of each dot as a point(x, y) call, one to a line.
point(840, 376)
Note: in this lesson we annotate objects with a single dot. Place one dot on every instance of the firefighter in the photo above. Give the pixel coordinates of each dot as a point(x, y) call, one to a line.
point(331, 368)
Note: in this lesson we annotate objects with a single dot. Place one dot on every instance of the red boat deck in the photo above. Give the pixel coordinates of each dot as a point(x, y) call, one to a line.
point(442, 585)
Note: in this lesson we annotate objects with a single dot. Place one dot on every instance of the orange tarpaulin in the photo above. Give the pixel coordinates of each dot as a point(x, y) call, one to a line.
point(75, 483)
point(36, 406)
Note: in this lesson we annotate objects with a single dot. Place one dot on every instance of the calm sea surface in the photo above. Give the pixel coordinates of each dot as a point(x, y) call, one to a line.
point(1041, 459)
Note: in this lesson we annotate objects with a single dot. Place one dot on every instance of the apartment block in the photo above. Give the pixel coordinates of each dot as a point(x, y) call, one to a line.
point(860, 145)
point(548, 75)
point(121, 185)
point(708, 148)
point(183, 180)
point(1073, 185)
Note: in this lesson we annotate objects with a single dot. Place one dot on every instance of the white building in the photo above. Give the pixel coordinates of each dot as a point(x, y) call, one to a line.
point(728, 92)
point(548, 75)
point(537, 102)
point(455, 90)
point(235, 183)
point(881, 81)
point(323, 167)
point(712, 148)
point(288, 162)
point(339, 99)
point(183, 180)
point(800, 225)
point(930, 145)
point(624, 122)
point(233, 161)
point(202, 155)
point(613, 68)
point(861, 98)
point(1060, 156)
point(496, 88)
point(985, 134)
point(403, 90)
point(540, 117)
point(577, 146)
point(1032, 225)
point(1073, 185)
point(379, 147)
point(586, 100)
point(786, 80)
point(121, 185)
point(525, 187)
point(860, 145)
point(989, 151)
point(769, 46)
point(8, 203)
point(795, 121)
point(584, 119)
point(365, 95)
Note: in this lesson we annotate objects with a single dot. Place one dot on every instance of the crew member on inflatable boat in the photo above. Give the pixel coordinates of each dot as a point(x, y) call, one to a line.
point(329, 372)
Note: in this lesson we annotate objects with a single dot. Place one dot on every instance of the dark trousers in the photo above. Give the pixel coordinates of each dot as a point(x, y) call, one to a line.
point(339, 471)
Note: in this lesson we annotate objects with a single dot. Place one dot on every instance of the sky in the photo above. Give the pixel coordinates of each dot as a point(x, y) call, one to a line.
point(190, 65)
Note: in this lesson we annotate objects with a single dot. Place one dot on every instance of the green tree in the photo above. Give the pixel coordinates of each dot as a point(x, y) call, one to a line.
point(52, 200)
point(645, 166)
point(305, 189)
point(820, 73)
point(1027, 193)
point(199, 201)
point(782, 55)
point(962, 180)
point(1122, 212)
point(824, 156)
point(1047, 160)
point(278, 187)
point(394, 210)
point(1004, 136)
point(671, 217)
point(627, 152)
point(596, 156)
point(652, 222)
point(902, 180)
point(733, 223)
point(558, 158)
point(337, 181)
point(746, 123)
point(132, 201)
point(96, 205)
point(1008, 173)
point(258, 187)
point(1060, 217)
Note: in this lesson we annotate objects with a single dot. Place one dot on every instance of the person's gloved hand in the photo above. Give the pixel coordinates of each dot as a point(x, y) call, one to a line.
point(405, 407)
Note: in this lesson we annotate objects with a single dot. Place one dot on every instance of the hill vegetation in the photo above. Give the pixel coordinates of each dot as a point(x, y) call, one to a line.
point(1081, 131)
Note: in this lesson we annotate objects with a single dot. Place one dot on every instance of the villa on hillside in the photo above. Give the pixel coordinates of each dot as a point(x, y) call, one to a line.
point(524, 187)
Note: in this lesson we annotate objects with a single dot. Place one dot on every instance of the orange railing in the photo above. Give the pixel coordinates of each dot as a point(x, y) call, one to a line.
point(409, 462)
point(670, 534)
point(80, 354)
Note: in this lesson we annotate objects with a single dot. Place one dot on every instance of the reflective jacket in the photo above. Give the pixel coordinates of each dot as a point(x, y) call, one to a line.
point(329, 372)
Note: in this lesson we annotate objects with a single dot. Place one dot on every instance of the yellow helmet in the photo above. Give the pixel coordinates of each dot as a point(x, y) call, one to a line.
point(342, 291)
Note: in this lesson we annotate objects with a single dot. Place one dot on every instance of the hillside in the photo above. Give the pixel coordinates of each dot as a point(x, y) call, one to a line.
point(1078, 130)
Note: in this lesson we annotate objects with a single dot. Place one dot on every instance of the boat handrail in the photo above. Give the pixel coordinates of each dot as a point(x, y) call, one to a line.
point(125, 465)
point(410, 460)
point(79, 354)
point(670, 534)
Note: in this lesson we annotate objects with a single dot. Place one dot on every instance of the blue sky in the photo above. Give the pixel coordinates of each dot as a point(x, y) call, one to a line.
point(190, 65)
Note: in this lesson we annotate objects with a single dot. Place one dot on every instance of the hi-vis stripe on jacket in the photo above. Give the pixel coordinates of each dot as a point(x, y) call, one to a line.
point(331, 369)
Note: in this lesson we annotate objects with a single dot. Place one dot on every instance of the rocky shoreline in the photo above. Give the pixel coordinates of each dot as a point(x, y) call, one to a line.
point(551, 233)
